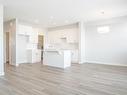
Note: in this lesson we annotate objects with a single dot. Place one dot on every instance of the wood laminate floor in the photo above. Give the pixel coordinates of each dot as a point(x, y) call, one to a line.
point(85, 79)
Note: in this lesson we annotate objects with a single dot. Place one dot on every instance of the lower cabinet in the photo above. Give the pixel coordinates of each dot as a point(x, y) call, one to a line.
point(74, 56)
point(57, 58)
point(34, 56)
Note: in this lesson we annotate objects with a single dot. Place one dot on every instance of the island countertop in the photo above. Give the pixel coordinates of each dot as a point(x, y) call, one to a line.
point(57, 58)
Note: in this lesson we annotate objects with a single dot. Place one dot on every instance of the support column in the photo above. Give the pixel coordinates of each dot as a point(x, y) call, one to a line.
point(81, 42)
point(1, 42)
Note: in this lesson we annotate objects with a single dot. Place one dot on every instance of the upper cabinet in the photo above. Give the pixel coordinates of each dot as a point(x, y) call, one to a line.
point(72, 35)
point(53, 37)
point(63, 33)
point(57, 36)
point(33, 38)
point(25, 30)
point(30, 32)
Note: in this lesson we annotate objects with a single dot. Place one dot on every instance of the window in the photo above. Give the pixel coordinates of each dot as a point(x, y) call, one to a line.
point(103, 29)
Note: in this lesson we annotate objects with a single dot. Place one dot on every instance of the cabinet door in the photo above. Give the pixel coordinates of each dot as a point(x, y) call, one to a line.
point(21, 30)
point(63, 33)
point(29, 33)
point(57, 37)
point(72, 36)
point(38, 56)
point(74, 56)
point(34, 56)
point(53, 37)
point(25, 30)
point(33, 38)
point(50, 37)
point(29, 30)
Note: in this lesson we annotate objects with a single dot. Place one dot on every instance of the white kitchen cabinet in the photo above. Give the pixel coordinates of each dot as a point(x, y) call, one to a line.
point(72, 36)
point(63, 33)
point(25, 30)
point(33, 38)
point(21, 30)
point(50, 37)
point(57, 58)
point(74, 56)
point(54, 37)
point(34, 56)
point(30, 32)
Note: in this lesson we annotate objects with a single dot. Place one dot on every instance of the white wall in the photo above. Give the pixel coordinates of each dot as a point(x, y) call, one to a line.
point(109, 48)
point(82, 37)
point(1, 42)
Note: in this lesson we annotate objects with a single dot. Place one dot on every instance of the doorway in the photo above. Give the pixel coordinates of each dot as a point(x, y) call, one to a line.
point(6, 47)
point(41, 45)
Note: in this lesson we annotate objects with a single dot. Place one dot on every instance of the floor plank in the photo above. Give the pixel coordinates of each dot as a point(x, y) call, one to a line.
point(80, 79)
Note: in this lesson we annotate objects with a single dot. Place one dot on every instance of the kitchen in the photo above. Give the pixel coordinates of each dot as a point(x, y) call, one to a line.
point(63, 43)
point(55, 46)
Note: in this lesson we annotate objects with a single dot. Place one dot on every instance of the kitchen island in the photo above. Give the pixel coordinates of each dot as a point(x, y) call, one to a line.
point(57, 58)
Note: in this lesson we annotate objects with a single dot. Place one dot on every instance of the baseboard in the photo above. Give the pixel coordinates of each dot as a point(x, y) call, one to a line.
point(16, 65)
point(81, 62)
point(98, 62)
point(75, 62)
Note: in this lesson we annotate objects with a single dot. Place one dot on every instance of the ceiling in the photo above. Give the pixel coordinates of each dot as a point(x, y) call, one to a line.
point(49, 13)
